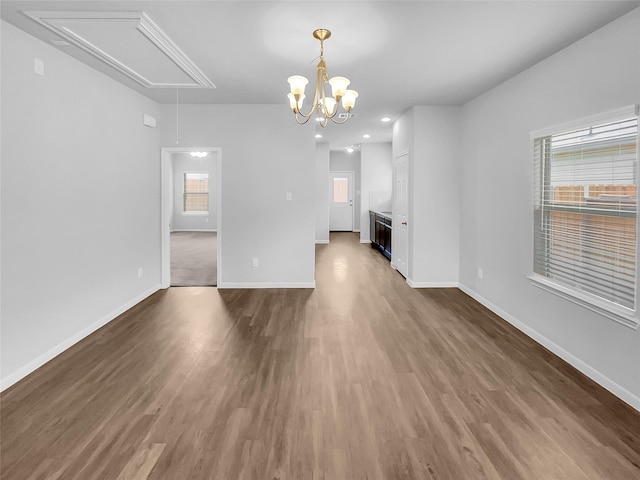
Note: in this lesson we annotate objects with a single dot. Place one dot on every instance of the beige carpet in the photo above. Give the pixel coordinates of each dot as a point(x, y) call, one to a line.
point(194, 258)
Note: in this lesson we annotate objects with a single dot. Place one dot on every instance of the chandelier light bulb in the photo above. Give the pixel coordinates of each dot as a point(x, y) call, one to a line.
point(329, 105)
point(339, 86)
point(349, 99)
point(296, 104)
point(298, 84)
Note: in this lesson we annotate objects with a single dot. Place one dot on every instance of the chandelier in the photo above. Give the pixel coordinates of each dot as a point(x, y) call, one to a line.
point(326, 107)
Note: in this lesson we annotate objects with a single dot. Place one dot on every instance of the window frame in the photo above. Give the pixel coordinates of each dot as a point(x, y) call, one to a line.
point(346, 191)
point(184, 193)
point(613, 311)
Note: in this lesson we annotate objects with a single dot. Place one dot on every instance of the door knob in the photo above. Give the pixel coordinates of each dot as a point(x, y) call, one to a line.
point(404, 223)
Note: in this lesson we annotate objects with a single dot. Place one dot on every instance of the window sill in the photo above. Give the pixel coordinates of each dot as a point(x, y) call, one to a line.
point(625, 316)
point(196, 214)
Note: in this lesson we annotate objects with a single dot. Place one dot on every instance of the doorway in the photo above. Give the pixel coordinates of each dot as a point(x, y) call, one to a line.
point(190, 215)
point(400, 212)
point(341, 201)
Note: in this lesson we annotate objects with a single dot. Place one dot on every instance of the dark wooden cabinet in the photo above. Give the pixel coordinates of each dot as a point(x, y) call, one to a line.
point(380, 232)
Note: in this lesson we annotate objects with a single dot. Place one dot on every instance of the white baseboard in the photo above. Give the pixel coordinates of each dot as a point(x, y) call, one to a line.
point(194, 230)
point(571, 359)
point(322, 242)
point(356, 231)
point(365, 241)
point(413, 284)
point(223, 285)
point(37, 362)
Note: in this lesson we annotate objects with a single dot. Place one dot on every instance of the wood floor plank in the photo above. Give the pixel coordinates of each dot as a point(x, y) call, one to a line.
point(360, 378)
point(142, 462)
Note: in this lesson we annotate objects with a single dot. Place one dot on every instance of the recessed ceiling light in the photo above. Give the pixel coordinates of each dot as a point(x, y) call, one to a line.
point(199, 154)
point(366, 135)
point(318, 119)
point(385, 119)
point(350, 149)
point(318, 135)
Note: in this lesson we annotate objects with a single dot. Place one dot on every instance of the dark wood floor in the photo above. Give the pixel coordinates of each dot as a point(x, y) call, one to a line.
point(361, 378)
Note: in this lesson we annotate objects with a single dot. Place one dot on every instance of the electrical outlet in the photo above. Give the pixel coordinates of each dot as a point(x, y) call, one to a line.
point(254, 262)
point(480, 273)
point(140, 272)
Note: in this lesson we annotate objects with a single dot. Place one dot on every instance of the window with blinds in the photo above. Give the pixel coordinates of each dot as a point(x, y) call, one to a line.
point(585, 210)
point(196, 193)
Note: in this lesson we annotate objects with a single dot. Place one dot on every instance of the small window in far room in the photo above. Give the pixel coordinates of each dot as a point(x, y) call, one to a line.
point(196, 192)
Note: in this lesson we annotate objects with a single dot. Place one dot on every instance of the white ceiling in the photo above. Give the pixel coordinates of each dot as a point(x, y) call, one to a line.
point(396, 53)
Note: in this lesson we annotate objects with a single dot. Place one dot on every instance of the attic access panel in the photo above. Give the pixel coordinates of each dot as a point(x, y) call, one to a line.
point(131, 43)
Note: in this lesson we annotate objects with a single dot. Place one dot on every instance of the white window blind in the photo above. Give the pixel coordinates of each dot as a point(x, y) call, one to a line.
point(585, 210)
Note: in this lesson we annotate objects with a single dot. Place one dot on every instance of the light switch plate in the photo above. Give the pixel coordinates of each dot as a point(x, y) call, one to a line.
point(38, 66)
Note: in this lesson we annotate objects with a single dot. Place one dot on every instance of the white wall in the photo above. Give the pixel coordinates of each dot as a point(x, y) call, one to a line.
point(80, 202)
point(598, 73)
point(322, 192)
point(435, 195)
point(431, 136)
point(184, 162)
point(349, 162)
point(375, 176)
point(264, 154)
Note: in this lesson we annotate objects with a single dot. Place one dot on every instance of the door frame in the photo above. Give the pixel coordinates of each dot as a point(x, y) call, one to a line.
point(353, 197)
point(166, 207)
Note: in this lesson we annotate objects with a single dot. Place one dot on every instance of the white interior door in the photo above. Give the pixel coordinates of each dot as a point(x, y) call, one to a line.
point(400, 210)
point(341, 201)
